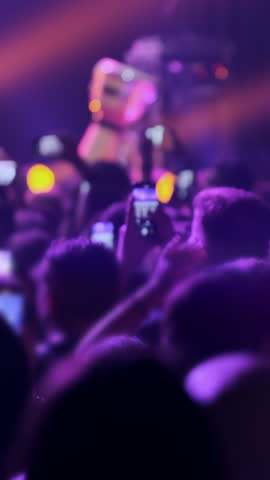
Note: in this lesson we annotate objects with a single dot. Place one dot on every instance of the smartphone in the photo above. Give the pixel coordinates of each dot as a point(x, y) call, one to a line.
point(8, 171)
point(6, 263)
point(103, 233)
point(145, 204)
point(50, 146)
point(12, 308)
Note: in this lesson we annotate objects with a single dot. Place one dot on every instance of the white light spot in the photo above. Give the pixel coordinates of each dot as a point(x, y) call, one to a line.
point(128, 75)
point(8, 171)
point(156, 134)
point(50, 145)
point(85, 187)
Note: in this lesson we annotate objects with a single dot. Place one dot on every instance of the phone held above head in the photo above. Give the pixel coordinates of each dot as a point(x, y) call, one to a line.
point(145, 205)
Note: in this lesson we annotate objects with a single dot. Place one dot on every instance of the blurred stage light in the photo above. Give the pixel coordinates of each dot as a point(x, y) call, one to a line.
point(128, 75)
point(165, 187)
point(156, 134)
point(221, 72)
point(50, 145)
point(85, 187)
point(95, 106)
point(8, 170)
point(175, 66)
point(40, 179)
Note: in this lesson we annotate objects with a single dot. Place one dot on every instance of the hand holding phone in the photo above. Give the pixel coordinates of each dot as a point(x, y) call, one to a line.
point(145, 205)
point(148, 227)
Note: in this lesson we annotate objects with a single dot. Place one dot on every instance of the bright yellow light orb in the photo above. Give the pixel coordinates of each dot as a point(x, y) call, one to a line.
point(40, 179)
point(165, 187)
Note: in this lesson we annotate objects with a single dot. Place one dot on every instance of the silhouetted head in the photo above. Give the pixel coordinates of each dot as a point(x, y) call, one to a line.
point(110, 184)
point(235, 392)
point(231, 224)
point(123, 415)
point(222, 310)
point(50, 207)
point(26, 220)
point(81, 282)
point(28, 248)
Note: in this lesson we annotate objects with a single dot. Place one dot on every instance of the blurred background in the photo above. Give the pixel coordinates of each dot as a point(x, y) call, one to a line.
point(48, 48)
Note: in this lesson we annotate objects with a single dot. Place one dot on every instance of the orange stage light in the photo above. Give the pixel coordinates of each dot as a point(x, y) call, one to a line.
point(95, 106)
point(165, 187)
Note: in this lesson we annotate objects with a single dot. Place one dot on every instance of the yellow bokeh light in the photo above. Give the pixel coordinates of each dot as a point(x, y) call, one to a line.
point(95, 106)
point(40, 179)
point(165, 187)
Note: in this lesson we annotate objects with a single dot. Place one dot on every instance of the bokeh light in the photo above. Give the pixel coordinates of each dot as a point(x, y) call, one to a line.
point(8, 170)
point(175, 67)
point(221, 72)
point(165, 187)
point(40, 179)
point(128, 75)
point(156, 134)
point(95, 106)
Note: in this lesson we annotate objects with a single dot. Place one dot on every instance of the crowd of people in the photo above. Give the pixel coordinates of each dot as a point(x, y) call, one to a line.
point(147, 359)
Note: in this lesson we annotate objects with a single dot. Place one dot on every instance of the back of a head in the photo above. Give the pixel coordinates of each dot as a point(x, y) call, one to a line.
point(50, 207)
point(82, 281)
point(14, 385)
point(110, 184)
point(222, 310)
point(47, 204)
point(231, 224)
point(124, 417)
point(235, 391)
point(26, 220)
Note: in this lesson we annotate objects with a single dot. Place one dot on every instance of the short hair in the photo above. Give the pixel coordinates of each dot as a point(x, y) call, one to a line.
point(221, 310)
point(231, 224)
point(26, 220)
point(82, 281)
point(124, 411)
point(110, 184)
point(49, 206)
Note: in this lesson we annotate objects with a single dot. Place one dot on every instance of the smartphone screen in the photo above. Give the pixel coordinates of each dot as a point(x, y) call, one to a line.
point(103, 234)
point(6, 263)
point(145, 203)
point(12, 308)
point(8, 171)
